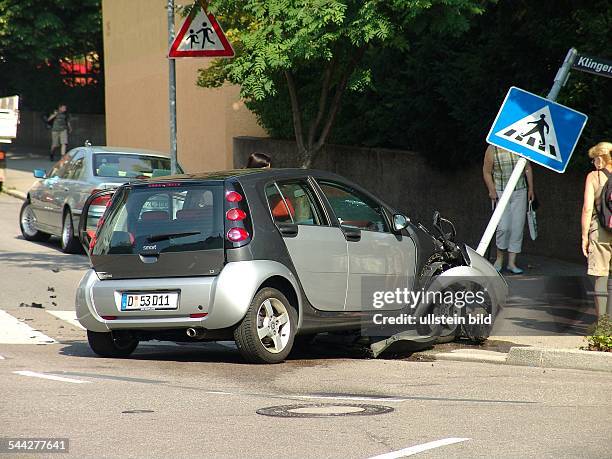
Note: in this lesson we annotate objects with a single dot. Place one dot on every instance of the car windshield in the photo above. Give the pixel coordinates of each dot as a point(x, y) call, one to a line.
point(173, 218)
point(130, 165)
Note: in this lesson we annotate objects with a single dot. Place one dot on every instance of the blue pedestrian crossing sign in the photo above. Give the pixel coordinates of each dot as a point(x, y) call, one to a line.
point(538, 129)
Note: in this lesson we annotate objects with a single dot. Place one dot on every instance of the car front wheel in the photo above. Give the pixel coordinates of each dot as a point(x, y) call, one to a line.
point(70, 244)
point(112, 344)
point(27, 223)
point(267, 331)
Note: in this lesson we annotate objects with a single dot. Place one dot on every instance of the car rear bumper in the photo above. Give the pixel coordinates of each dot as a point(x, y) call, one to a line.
point(224, 299)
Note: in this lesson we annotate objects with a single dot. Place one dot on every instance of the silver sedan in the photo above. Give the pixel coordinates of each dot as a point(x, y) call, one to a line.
point(54, 203)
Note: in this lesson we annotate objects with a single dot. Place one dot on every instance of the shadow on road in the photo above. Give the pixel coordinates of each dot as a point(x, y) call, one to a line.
point(56, 262)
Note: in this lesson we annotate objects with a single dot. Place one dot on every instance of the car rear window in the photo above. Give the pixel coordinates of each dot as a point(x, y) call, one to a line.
point(161, 218)
point(131, 166)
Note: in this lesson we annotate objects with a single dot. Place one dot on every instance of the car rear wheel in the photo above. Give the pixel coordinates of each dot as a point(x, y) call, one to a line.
point(70, 244)
point(112, 344)
point(267, 331)
point(27, 223)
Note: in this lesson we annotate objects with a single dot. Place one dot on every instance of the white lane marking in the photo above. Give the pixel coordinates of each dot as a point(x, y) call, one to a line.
point(52, 377)
point(1, 357)
point(67, 316)
point(14, 331)
point(419, 448)
point(350, 397)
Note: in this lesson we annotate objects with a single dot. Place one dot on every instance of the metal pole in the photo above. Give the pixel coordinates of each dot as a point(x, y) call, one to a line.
point(560, 80)
point(172, 89)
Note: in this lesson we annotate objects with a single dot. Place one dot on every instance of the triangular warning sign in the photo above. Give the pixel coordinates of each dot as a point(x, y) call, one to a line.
point(536, 132)
point(200, 35)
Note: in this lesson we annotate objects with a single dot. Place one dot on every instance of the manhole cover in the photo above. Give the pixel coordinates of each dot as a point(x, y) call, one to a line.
point(322, 410)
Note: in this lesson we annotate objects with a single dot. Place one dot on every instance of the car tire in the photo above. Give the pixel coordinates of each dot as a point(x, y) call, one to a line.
point(26, 224)
point(111, 344)
point(267, 331)
point(69, 243)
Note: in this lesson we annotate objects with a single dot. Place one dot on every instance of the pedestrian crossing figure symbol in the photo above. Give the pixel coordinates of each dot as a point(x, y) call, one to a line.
point(535, 133)
point(537, 129)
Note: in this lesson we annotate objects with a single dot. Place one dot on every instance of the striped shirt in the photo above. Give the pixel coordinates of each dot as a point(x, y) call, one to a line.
point(503, 165)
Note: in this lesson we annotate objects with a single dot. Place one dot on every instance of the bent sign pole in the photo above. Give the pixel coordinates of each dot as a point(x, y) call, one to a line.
point(560, 80)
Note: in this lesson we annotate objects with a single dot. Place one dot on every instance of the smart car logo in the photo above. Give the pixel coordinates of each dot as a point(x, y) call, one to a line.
point(149, 247)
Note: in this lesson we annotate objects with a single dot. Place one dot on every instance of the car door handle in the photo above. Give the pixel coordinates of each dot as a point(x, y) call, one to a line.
point(352, 234)
point(288, 229)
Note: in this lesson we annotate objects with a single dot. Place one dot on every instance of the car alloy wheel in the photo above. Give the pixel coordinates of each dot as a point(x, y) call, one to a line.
point(28, 222)
point(273, 325)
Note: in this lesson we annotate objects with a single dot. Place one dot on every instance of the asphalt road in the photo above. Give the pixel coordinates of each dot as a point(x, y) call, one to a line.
point(202, 400)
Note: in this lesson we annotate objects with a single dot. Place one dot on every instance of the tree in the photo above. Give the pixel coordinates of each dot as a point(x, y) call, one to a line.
point(314, 51)
point(36, 36)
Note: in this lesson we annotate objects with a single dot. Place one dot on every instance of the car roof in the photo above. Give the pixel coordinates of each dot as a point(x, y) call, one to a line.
point(127, 151)
point(251, 175)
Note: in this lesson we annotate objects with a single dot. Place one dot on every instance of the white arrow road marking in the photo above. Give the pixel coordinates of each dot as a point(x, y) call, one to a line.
point(419, 448)
point(52, 377)
point(14, 331)
point(67, 316)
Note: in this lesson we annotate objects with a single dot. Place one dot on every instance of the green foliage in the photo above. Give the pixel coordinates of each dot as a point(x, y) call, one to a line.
point(437, 79)
point(601, 337)
point(34, 36)
point(316, 47)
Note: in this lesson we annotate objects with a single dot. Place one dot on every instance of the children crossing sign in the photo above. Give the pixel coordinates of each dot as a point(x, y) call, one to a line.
point(537, 129)
point(200, 35)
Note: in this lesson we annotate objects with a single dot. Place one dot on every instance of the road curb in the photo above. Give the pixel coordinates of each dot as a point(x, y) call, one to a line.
point(560, 358)
point(16, 194)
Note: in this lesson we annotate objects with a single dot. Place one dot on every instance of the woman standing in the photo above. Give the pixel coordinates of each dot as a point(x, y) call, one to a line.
point(496, 170)
point(596, 240)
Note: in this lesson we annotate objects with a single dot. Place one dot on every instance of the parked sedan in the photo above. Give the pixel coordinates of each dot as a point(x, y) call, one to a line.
point(54, 203)
point(258, 256)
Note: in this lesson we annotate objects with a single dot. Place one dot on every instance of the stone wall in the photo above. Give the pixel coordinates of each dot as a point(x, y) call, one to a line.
point(406, 182)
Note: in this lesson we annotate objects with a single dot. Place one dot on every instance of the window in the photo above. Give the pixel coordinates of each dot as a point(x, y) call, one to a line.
point(131, 166)
point(60, 169)
point(74, 170)
point(294, 202)
point(176, 219)
point(354, 209)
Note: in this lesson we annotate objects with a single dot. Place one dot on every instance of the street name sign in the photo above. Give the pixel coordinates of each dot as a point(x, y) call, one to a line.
point(594, 65)
point(200, 35)
point(537, 129)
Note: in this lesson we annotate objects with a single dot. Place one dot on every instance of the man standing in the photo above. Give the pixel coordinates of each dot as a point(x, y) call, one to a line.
point(60, 129)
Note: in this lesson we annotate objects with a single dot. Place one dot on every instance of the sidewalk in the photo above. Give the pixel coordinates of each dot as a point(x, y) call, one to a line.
point(20, 165)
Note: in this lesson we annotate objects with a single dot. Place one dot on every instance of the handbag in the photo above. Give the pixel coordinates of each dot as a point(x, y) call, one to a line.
point(532, 222)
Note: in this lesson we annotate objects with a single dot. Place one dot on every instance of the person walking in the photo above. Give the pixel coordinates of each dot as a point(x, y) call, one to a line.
point(60, 128)
point(496, 170)
point(597, 240)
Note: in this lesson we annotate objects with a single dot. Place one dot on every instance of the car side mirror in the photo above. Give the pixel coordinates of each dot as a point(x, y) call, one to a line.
point(40, 173)
point(400, 222)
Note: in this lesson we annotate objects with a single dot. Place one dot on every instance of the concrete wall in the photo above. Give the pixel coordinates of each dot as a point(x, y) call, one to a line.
point(32, 132)
point(407, 183)
point(136, 78)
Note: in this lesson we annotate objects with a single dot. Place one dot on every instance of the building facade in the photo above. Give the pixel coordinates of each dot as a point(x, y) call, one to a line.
point(136, 76)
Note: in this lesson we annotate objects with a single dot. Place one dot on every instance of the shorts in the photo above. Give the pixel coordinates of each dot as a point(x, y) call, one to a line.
point(600, 255)
point(59, 137)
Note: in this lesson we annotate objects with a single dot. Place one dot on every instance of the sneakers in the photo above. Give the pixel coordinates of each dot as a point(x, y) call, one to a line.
point(515, 270)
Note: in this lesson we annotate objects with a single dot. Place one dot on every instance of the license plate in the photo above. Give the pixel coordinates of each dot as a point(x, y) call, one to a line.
point(149, 301)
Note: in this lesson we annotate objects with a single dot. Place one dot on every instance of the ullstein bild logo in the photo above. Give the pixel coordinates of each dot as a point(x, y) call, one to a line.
point(594, 65)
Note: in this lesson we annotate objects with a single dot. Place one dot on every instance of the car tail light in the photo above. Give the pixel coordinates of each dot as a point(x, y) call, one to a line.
point(235, 214)
point(92, 242)
point(233, 196)
point(103, 200)
point(198, 315)
point(237, 234)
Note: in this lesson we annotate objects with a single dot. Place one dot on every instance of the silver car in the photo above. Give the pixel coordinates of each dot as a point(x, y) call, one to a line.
point(54, 203)
point(265, 256)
